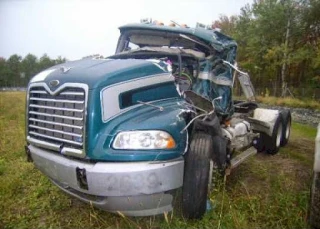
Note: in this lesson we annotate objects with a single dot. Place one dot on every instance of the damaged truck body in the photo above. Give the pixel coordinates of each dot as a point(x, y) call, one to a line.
point(125, 133)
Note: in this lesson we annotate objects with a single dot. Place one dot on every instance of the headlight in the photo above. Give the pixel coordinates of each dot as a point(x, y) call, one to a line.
point(149, 139)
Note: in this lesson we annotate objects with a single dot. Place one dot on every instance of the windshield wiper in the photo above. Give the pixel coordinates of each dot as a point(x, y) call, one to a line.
point(151, 105)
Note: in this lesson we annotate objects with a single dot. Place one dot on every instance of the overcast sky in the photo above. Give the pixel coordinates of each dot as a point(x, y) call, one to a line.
point(77, 28)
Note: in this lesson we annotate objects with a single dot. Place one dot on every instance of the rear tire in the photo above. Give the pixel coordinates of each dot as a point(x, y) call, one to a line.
point(286, 127)
point(314, 211)
point(271, 144)
point(196, 176)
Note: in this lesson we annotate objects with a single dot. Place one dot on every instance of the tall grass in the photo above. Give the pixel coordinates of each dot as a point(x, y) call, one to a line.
point(264, 192)
point(290, 102)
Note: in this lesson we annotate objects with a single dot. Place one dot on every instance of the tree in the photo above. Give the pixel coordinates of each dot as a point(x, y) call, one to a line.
point(29, 66)
point(4, 72)
point(45, 62)
point(60, 60)
point(14, 70)
point(278, 42)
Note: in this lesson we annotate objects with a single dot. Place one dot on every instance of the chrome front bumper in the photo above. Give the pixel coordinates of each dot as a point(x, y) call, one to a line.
point(133, 188)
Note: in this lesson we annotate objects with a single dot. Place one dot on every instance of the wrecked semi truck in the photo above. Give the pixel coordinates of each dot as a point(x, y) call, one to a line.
point(126, 133)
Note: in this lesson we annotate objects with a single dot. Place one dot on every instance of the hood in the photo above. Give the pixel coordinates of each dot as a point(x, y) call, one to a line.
point(97, 72)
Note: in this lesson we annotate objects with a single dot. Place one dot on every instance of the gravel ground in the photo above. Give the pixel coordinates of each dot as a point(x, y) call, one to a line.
point(301, 115)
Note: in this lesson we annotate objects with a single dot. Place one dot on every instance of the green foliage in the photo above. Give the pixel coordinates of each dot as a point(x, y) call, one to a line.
point(260, 30)
point(16, 72)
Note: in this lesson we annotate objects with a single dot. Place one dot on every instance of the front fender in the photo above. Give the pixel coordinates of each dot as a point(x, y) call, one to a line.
point(142, 117)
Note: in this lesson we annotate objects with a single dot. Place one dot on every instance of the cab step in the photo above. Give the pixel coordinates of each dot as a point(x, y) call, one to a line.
point(242, 157)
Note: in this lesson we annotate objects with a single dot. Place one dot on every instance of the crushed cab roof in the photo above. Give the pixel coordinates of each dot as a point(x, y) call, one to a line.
point(214, 38)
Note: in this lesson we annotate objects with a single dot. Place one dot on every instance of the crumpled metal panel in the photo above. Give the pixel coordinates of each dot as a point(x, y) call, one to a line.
point(216, 79)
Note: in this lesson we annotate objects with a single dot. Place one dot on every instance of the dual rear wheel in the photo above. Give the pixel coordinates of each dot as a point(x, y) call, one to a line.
point(280, 134)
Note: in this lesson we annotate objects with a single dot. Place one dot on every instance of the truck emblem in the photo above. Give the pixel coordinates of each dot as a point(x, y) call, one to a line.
point(54, 83)
point(64, 69)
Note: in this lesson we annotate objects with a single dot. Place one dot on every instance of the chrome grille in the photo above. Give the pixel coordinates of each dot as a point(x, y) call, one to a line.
point(57, 120)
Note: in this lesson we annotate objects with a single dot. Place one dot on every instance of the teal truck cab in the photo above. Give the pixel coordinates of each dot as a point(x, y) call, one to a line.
point(126, 132)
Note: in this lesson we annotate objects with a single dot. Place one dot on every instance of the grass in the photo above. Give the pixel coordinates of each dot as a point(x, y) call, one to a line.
point(264, 192)
point(290, 102)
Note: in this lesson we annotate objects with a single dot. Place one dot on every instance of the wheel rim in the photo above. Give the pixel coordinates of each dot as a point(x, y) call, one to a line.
point(278, 140)
point(288, 130)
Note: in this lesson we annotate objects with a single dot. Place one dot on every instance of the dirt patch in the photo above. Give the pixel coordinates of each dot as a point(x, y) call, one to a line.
point(264, 173)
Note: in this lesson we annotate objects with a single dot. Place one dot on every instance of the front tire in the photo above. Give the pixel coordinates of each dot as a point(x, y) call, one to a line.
point(196, 176)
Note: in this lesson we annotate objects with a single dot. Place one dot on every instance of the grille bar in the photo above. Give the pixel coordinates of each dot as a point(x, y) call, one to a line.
point(55, 116)
point(44, 144)
point(57, 100)
point(55, 131)
point(71, 93)
point(38, 92)
point(55, 108)
point(55, 138)
point(55, 123)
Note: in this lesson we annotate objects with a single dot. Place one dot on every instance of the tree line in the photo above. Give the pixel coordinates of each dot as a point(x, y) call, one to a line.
point(278, 44)
point(17, 71)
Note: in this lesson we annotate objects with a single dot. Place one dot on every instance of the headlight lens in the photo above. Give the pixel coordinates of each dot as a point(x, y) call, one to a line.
point(151, 139)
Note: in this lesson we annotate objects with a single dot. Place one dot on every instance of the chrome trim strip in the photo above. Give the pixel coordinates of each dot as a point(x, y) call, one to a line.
point(220, 80)
point(71, 93)
point(56, 116)
point(43, 144)
point(61, 88)
point(54, 147)
point(109, 95)
point(57, 100)
point(55, 131)
point(71, 151)
point(62, 93)
point(55, 108)
point(56, 123)
point(55, 138)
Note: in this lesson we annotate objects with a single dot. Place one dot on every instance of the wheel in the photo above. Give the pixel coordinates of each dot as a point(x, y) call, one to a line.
point(271, 145)
point(314, 210)
point(286, 127)
point(196, 176)
point(259, 143)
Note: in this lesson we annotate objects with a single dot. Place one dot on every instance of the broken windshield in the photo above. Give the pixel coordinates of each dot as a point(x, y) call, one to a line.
point(137, 39)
